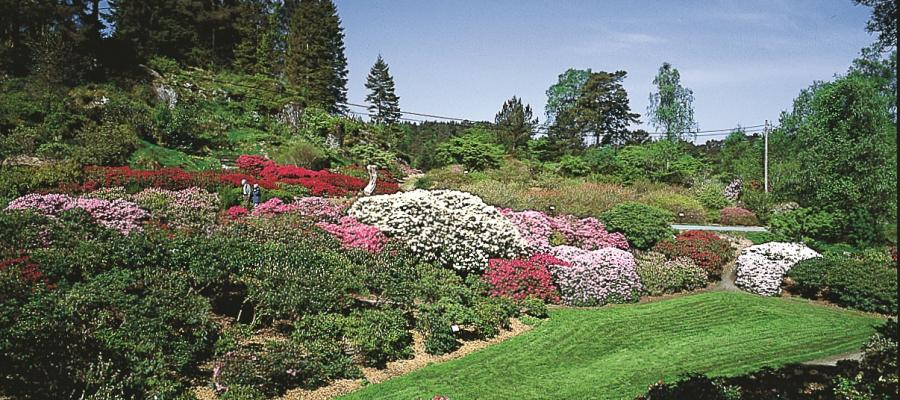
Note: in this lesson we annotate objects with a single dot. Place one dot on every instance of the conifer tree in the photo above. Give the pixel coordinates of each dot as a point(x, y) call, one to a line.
point(385, 105)
point(314, 58)
point(515, 124)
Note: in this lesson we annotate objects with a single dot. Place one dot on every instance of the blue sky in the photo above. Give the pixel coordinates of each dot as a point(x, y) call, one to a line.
point(744, 60)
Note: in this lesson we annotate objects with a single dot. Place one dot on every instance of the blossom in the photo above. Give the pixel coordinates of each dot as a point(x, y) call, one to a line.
point(520, 279)
point(595, 277)
point(761, 268)
point(121, 215)
point(354, 234)
point(586, 233)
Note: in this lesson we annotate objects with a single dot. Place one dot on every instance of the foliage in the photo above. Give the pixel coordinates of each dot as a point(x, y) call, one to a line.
point(515, 125)
point(643, 225)
point(671, 106)
point(685, 208)
point(711, 193)
point(595, 277)
point(805, 224)
point(864, 284)
point(660, 161)
point(737, 216)
point(601, 110)
point(522, 279)
point(471, 150)
point(562, 95)
point(453, 229)
point(314, 56)
point(385, 105)
point(573, 166)
point(661, 276)
point(761, 268)
point(378, 336)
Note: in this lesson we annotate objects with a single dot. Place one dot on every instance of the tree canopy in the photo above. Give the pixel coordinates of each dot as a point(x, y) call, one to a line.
point(671, 105)
point(384, 102)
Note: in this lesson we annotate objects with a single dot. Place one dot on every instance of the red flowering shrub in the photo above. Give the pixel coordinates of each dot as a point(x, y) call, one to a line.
point(520, 279)
point(707, 249)
point(27, 270)
point(737, 216)
point(252, 164)
point(235, 212)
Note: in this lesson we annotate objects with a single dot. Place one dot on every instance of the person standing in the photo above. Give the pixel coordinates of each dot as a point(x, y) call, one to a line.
point(255, 195)
point(245, 190)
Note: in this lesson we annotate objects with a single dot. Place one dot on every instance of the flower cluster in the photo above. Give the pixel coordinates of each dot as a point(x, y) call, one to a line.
point(737, 216)
point(319, 208)
point(273, 206)
point(121, 215)
point(520, 279)
point(596, 277)
point(236, 212)
point(354, 234)
point(707, 249)
point(734, 189)
point(452, 228)
point(252, 164)
point(661, 276)
point(540, 230)
point(191, 208)
point(761, 268)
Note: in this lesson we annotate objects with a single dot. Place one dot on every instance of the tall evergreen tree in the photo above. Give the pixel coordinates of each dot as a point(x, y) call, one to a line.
point(314, 58)
point(256, 26)
point(671, 106)
point(602, 109)
point(515, 124)
point(384, 102)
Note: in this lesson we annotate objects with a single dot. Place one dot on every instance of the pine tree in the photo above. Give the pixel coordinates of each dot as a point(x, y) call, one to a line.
point(385, 104)
point(515, 124)
point(314, 58)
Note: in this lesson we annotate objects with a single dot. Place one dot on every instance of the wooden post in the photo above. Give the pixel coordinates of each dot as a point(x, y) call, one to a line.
point(766, 156)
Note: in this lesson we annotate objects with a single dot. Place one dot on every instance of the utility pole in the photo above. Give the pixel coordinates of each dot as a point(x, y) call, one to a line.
point(766, 156)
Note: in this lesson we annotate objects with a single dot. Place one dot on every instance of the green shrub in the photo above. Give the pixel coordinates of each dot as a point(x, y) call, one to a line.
point(641, 224)
point(470, 150)
point(659, 161)
point(804, 224)
point(761, 203)
point(303, 154)
point(685, 208)
point(710, 193)
point(764, 237)
point(424, 182)
point(661, 276)
point(573, 166)
point(107, 144)
point(365, 154)
point(435, 325)
point(378, 336)
point(533, 307)
point(860, 283)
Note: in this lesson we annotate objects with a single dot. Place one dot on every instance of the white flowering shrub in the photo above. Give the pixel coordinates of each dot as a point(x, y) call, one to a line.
point(455, 229)
point(761, 268)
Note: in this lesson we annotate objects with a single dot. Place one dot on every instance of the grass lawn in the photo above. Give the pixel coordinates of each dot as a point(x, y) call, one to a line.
point(615, 352)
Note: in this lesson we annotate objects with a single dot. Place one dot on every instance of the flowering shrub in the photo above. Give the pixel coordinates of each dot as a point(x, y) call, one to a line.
point(273, 206)
point(538, 228)
point(520, 279)
point(121, 215)
point(661, 276)
point(734, 189)
point(354, 234)
point(26, 269)
point(737, 216)
point(595, 277)
point(319, 208)
point(235, 212)
point(455, 229)
point(252, 164)
point(761, 268)
point(191, 208)
point(705, 248)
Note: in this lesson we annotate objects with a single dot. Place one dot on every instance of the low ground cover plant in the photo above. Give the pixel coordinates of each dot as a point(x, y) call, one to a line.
point(705, 248)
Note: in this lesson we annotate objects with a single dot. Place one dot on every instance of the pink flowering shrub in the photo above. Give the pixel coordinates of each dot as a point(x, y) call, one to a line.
point(538, 228)
point(273, 206)
point(596, 277)
point(737, 216)
point(121, 215)
point(319, 208)
point(192, 208)
point(354, 234)
point(520, 279)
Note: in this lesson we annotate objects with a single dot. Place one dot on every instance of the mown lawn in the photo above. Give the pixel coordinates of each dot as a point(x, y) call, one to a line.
point(615, 352)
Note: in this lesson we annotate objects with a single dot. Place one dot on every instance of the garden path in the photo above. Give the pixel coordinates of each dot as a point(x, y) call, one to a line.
point(719, 228)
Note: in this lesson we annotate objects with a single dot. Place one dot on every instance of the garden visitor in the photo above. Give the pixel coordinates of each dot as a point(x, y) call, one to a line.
point(245, 190)
point(255, 195)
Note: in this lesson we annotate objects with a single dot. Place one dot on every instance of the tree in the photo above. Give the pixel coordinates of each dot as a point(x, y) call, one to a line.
point(314, 59)
point(883, 22)
point(847, 155)
point(563, 94)
point(671, 106)
point(602, 109)
point(384, 103)
point(515, 124)
point(254, 52)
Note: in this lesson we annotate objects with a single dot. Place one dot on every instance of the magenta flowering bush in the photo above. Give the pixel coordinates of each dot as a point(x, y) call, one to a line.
point(539, 229)
point(273, 206)
point(354, 234)
point(121, 215)
point(596, 277)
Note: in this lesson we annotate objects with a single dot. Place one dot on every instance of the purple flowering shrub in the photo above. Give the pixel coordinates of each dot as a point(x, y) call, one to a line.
point(596, 277)
point(121, 215)
point(541, 231)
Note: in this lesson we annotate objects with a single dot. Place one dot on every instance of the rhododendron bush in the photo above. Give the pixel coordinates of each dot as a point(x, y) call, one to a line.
point(454, 229)
point(707, 249)
point(761, 268)
point(539, 230)
point(121, 215)
point(737, 216)
point(595, 277)
point(354, 234)
point(661, 276)
point(191, 208)
point(521, 279)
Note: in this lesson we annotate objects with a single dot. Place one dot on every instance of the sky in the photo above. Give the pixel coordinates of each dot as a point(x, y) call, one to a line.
point(744, 60)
